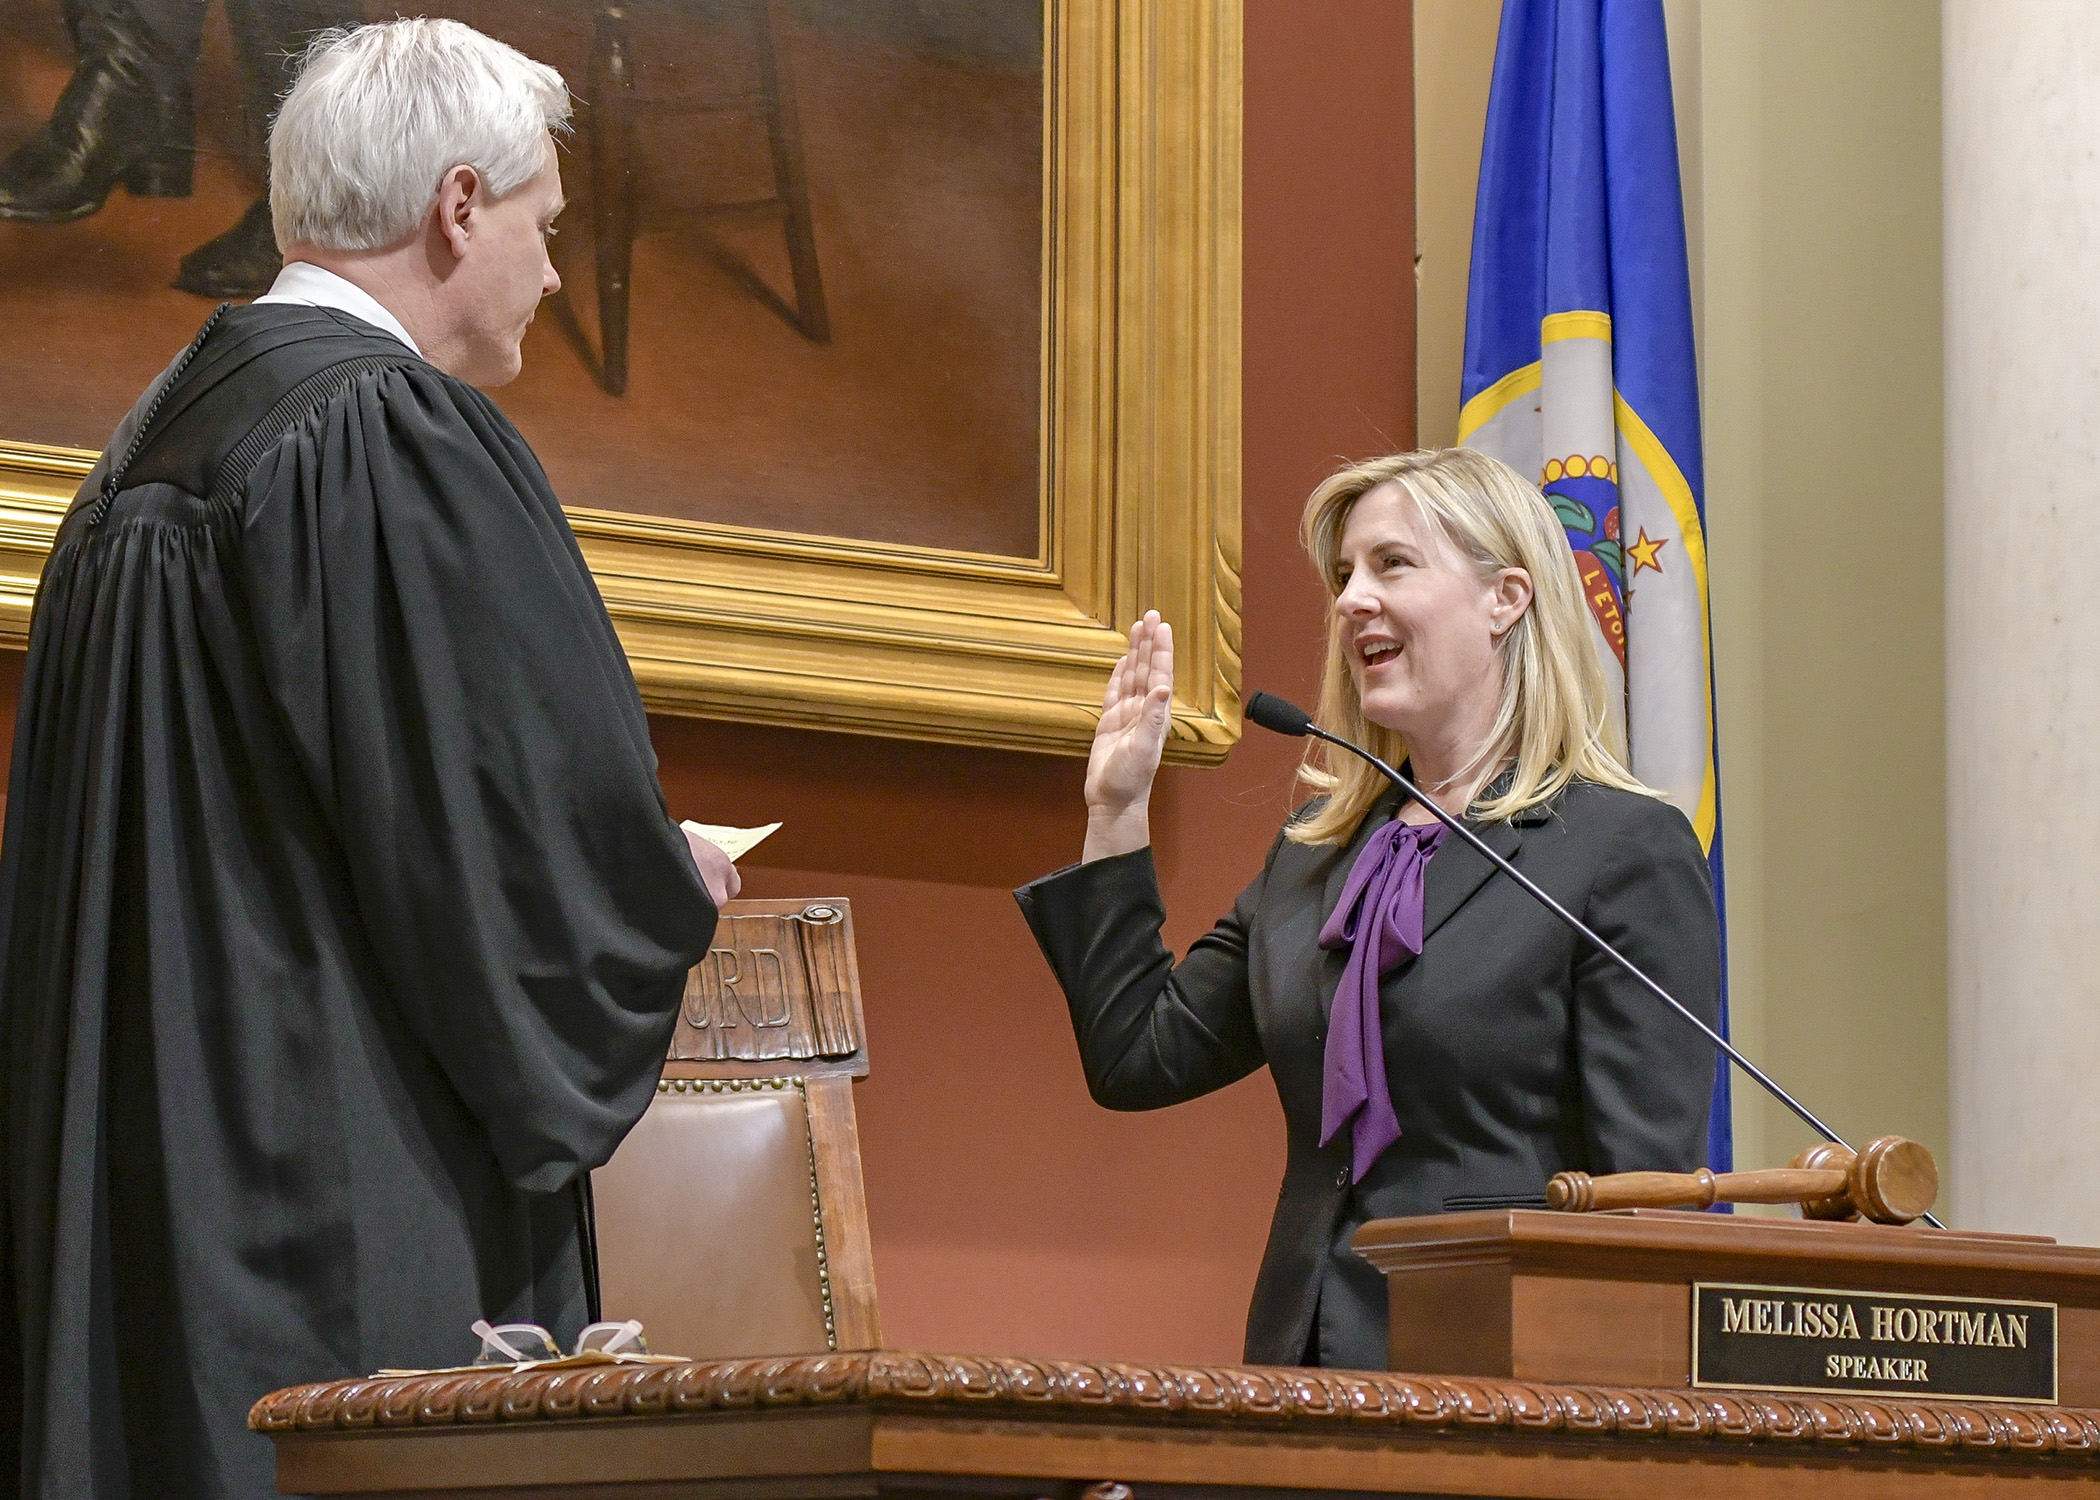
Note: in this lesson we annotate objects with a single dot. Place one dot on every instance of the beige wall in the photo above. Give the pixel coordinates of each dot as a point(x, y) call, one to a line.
point(2023, 381)
point(1812, 139)
point(1454, 56)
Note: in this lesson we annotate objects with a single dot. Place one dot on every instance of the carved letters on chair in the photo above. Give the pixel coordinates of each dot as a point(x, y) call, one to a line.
point(774, 987)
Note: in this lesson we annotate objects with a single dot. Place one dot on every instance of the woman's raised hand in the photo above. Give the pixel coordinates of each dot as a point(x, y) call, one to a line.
point(1128, 742)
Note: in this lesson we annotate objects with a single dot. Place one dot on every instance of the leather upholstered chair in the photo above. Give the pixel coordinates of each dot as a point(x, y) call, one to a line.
point(732, 1220)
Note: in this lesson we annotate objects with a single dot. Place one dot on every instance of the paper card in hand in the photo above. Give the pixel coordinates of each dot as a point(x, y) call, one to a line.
point(734, 842)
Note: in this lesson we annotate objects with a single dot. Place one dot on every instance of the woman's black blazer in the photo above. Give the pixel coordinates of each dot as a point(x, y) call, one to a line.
point(1512, 1050)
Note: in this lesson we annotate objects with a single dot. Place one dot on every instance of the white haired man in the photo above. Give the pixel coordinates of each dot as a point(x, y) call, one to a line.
point(342, 923)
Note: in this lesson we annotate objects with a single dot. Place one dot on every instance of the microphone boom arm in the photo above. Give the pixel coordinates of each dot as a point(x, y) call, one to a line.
point(1576, 925)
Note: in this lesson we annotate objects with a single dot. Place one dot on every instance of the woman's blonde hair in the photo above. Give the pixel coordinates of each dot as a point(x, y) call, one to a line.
point(1554, 717)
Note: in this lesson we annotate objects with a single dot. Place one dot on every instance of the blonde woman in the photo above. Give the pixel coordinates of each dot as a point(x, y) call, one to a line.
point(1438, 1041)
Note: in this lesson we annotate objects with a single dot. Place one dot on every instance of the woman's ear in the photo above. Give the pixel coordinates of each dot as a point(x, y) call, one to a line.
point(1509, 595)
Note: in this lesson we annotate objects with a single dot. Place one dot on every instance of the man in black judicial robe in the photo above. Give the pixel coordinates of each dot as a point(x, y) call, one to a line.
point(342, 920)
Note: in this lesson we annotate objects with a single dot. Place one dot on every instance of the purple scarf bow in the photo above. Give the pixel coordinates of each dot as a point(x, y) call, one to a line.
point(1379, 920)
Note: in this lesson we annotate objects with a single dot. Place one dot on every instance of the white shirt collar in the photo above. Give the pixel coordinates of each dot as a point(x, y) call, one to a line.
point(309, 285)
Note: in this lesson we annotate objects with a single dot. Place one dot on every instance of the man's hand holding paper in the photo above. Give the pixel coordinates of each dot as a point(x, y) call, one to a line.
point(716, 849)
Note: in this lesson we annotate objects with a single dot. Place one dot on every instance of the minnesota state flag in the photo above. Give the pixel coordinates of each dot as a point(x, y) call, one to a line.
point(1580, 368)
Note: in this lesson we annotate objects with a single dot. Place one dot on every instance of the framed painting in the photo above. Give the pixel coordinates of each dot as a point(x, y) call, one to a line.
point(896, 366)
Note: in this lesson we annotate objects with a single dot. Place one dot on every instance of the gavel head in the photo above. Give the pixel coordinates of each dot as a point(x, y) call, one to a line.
point(1827, 1156)
point(1892, 1181)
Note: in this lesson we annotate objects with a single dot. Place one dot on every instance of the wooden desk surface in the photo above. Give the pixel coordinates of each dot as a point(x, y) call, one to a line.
point(895, 1423)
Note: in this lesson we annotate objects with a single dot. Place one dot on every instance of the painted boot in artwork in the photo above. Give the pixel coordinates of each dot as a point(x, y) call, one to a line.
point(269, 37)
point(125, 117)
point(241, 262)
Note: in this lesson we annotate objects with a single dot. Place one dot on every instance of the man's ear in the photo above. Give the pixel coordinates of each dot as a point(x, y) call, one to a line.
point(459, 197)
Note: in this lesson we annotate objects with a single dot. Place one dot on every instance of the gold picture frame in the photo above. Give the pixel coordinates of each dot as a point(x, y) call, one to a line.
point(1140, 476)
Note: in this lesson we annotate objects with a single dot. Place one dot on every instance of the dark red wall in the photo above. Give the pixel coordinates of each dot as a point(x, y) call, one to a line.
point(1009, 1212)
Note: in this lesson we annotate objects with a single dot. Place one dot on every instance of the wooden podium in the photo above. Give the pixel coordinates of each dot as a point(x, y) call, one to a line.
point(892, 1425)
point(1609, 1298)
point(1548, 1355)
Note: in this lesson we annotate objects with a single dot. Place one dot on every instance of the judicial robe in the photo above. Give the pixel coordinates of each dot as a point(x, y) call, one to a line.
point(342, 923)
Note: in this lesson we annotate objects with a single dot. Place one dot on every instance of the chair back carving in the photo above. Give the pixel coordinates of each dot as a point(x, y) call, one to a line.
point(732, 1220)
point(777, 987)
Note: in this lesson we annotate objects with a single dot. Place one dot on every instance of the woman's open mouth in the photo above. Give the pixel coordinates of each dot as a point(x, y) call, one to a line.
point(1376, 654)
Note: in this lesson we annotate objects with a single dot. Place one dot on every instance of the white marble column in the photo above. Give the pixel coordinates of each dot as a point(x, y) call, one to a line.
point(2022, 140)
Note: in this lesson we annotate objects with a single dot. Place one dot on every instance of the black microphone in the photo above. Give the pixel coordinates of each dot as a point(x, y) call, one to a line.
point(1273, 713)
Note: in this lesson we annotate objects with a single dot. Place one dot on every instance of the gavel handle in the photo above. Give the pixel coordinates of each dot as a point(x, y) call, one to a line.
point(1780, 1185)
point(1578, 1192)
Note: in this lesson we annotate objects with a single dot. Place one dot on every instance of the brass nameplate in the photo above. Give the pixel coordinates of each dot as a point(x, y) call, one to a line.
point(1798, 1338)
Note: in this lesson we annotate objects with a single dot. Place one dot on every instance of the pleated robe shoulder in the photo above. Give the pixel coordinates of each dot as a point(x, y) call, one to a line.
point(342, 923)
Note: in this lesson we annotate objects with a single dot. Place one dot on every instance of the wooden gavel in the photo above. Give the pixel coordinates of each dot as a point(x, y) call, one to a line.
point(1892, 1181)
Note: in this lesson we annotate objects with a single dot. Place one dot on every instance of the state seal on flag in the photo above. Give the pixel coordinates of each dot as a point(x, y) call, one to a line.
point(1584, 493)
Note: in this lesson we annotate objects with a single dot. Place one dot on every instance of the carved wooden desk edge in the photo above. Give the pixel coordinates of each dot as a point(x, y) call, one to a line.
point(1303, 1400)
